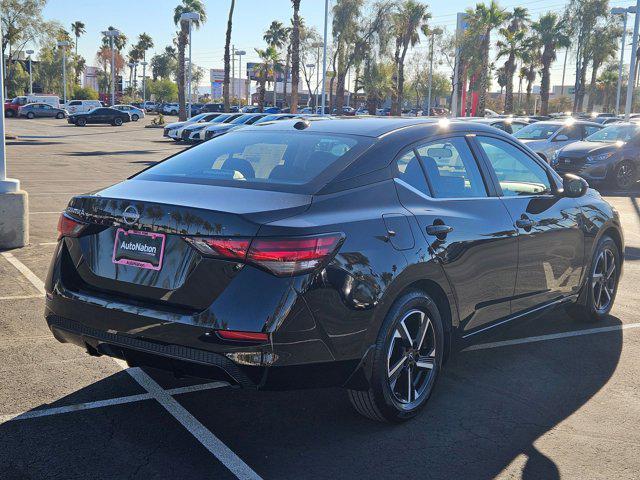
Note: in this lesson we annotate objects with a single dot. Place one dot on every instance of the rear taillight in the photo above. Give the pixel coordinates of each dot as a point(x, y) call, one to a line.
point(281, 256)
point(69, 227)
point(243, 336)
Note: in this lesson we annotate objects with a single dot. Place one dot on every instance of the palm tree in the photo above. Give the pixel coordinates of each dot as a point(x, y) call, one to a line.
point(227, 57)
point(269, 58)
point(513, 36)
point(145, 42)
point(482, 21)
point(408, 21)
point(530, 61)
point(78, 30)
point(295, 55)
point(119, 42)
point(604, 47)
point(552, 36)
point(276, 36)
point(183, 39)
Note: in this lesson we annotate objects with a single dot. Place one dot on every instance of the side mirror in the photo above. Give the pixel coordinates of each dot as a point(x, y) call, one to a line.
point(574, 186)
point(561, 138)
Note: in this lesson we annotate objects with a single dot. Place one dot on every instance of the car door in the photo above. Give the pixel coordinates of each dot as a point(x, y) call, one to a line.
point(550, 241)
point(46, 111)
point(467, 227)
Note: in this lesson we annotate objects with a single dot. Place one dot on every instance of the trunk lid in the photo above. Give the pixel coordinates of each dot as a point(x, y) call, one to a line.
point(182, 278)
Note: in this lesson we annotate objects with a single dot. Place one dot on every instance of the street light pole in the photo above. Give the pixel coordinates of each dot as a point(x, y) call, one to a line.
point(190, 17)
point(315, 106)
point(434, 32)
point(310, 66)
point(324, 56)
point(112, 34)
point(632, 66)
point(625, 13)
point(30, 52)
point(240, 53)
point(14, 224)
point(63, 45)
point(144, 82)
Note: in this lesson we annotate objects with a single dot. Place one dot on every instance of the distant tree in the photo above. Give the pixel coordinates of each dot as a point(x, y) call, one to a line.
point(164, 65)
point(510, 46)
point(163, 90)
point(84, 93)
point(78, 29)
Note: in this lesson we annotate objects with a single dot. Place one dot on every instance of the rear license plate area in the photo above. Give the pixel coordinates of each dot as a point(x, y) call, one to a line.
point(139, 249)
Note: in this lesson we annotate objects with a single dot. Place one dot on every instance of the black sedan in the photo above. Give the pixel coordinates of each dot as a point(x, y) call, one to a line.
point(358, 252)
point(106, 115)
point(611, 155)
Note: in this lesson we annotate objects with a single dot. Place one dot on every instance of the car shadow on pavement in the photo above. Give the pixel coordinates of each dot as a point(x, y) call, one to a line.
point(488, 411)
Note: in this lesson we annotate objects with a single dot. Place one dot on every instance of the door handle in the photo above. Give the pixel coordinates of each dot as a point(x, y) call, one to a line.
point(439, 231)
point(525, 223)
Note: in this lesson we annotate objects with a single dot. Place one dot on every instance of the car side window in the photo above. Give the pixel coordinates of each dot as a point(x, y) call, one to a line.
point(502, 126)
point(571, 131)
point(73, 104)
point(515, 126)
point(452, 171)
point(411, 172)
point(517, 173)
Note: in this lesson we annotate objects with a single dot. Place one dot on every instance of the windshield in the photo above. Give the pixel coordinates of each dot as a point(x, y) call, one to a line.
point(615, 133)
point(241, 119)
point(259, 159)
point(197, 117)
point(537, 131)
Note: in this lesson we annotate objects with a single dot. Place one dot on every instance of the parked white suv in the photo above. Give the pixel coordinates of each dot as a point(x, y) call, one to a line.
point(171, 109)
point(81, 106)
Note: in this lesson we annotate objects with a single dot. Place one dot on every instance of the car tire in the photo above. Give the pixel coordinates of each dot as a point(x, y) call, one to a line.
point(173, 112)
point(599, 291)
point(135, 117)
point(9, 113)
point(117, 122)
point(60, 115)
point(624, 175)
point(30, 115)
point(81, 122)
point(401, 359)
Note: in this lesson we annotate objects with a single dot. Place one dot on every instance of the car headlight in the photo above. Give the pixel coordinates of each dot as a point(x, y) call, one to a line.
point(599, 158)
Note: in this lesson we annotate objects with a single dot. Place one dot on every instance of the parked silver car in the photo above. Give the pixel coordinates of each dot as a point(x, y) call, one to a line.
point(33, 110)
point(135, 112)
point(549, 136)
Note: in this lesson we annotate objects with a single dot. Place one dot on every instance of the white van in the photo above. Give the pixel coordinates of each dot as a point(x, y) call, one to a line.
point(81, 106)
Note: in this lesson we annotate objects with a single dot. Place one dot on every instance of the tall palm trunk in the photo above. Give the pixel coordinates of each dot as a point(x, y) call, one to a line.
point(510, 68)
point(395, 79)
point(545, 83)
point(592, 86)
point(183, 38)
point(484, 76)
point(286, 75)
point(261, 92)
point(227, 58)
point(295, 56)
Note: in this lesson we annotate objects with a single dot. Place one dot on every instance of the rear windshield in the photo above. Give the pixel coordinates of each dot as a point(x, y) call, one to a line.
point(537, 131)
point(615, 133)
point(273, 160)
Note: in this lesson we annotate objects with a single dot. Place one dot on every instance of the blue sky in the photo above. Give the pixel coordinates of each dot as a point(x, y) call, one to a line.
point(251, 19)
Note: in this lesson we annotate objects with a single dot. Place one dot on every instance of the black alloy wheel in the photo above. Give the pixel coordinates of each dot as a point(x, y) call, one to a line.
point(407, 359)
point(624, 175)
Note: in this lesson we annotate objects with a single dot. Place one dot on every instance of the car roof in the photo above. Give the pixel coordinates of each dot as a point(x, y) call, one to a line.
point(369, 126)
point(567, 121)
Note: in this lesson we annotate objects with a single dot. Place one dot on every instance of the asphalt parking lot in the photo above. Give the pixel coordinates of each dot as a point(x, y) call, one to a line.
point(545, 398)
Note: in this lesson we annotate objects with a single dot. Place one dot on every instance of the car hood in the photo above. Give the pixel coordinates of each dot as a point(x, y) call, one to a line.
point(220, 126)
point(175, 124)
point(583, 148)
point(535, 143)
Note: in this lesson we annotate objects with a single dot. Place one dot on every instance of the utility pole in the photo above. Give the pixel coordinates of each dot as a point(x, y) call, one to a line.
point(625, 13)
point(112, 34)
point(63, 45)
point(324, 56)
point(144, 83)
point(30, 52)
point(434, 32)
point(564, 71)
point(233, 70)
point(632, 66)
point(240, 53)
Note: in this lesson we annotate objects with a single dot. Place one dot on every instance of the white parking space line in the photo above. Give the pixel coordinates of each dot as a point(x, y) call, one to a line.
point(28, 274)
point(21, 297)
point(552, 336)
point(57, 212)
point(45, 412)
point(212, 443)
point(48, 243)
point(188, 421)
